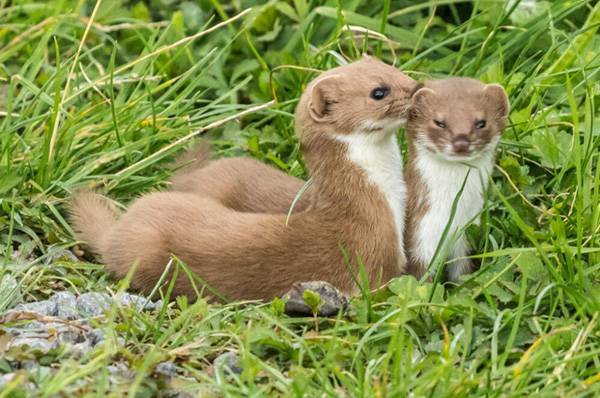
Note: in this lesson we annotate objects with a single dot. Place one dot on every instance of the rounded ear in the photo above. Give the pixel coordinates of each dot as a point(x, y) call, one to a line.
point(497, 98)
point(323, 94)
point(421, 98)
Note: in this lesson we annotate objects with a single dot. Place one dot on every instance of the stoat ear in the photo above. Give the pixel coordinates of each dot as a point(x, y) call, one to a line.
point(497, 98)
point(421, 97)
point(323, 95)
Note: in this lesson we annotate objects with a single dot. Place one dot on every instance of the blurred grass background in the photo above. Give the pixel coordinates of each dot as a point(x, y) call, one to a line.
point(106, 93)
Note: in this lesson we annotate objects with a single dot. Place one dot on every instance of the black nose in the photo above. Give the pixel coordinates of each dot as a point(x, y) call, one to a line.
point(461, 144)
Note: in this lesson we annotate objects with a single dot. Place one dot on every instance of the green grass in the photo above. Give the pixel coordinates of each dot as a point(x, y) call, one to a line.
point(112, 110)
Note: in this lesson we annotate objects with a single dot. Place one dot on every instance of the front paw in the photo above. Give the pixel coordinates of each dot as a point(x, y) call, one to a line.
point(458, 268)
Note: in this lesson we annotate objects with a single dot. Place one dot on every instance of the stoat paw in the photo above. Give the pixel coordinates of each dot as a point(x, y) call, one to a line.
point(458, 268)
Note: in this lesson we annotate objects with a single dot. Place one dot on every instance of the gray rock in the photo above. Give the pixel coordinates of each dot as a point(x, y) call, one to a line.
point(228, 361)
point(120, 371)
point(95, 337)
point(93, 304)
point(10, 286)
point(6, 378)
point(166, 369)
point(9, 377)
point(30, 365)
point(66, 305)
point(127, 299)
point(71, 335)
point(39, 345)
point(57, 254)
point(33, 327)
point(45, 307)
point(332, 300)
point(80, 349)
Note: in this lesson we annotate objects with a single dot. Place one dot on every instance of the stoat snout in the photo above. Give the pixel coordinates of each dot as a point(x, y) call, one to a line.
point(461, 145)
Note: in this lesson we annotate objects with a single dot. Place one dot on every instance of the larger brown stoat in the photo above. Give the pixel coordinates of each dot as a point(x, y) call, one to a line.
point(346, 120)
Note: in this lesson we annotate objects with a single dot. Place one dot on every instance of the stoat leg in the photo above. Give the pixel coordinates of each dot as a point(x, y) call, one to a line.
point(458, 268)
point(458, 265)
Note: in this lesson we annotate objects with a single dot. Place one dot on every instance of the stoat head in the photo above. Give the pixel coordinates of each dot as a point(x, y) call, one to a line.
point(458, 118)
point(366, 96)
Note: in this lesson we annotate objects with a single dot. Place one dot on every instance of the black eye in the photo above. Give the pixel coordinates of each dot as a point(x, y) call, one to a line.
point(380, 93)
point(441, 125)
point(480, 124)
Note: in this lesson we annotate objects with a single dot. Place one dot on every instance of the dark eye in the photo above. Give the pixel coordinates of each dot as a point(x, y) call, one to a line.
point(441, 125)
point(480, 124)
point(380, 93)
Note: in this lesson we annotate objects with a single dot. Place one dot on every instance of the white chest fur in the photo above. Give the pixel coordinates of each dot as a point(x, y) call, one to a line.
point(379, 156)
point(443, 180)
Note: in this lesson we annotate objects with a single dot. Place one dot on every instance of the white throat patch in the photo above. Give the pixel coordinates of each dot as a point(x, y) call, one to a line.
point(379, 156)
point(443, 179)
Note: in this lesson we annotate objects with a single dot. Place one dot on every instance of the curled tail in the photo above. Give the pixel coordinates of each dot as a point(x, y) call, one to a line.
point(92, 218)
point(195, 158)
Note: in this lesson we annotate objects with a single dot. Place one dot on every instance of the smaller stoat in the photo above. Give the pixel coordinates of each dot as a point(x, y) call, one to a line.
point(454, 128)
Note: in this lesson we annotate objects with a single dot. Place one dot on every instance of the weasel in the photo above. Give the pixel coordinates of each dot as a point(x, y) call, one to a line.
point(346, 120)
point(454, 127)
point(453, 131)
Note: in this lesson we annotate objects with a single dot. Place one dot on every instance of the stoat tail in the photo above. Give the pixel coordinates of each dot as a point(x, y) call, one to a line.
point(92, 219)
point(195, 158)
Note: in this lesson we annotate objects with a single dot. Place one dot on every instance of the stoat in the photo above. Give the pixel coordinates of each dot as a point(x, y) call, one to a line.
point(346, 120)
point(453, 131)
point(454, 127)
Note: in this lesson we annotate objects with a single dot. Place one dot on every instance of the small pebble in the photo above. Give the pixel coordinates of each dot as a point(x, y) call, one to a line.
point(28, 386)
point(61, 254)
point(166, 369)
point(30, 364)
point(66, 305)
point(7, 378)
point(120, 371)
point(45, 307)
point(70, 335)
point(39, 345)
point(93, 304)
point(95, 337)
point(228, 361)
point(80, 349)
point(127, 299)
point(332, 300)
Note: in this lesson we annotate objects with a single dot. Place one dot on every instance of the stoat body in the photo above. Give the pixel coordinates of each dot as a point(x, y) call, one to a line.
point(453, 131)
point(345, 120)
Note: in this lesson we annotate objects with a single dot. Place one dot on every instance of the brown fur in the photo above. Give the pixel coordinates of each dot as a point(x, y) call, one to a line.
point(459, 103)
point(418, 205)
point(255, 255)
point(250, 186)
point(243, 184)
